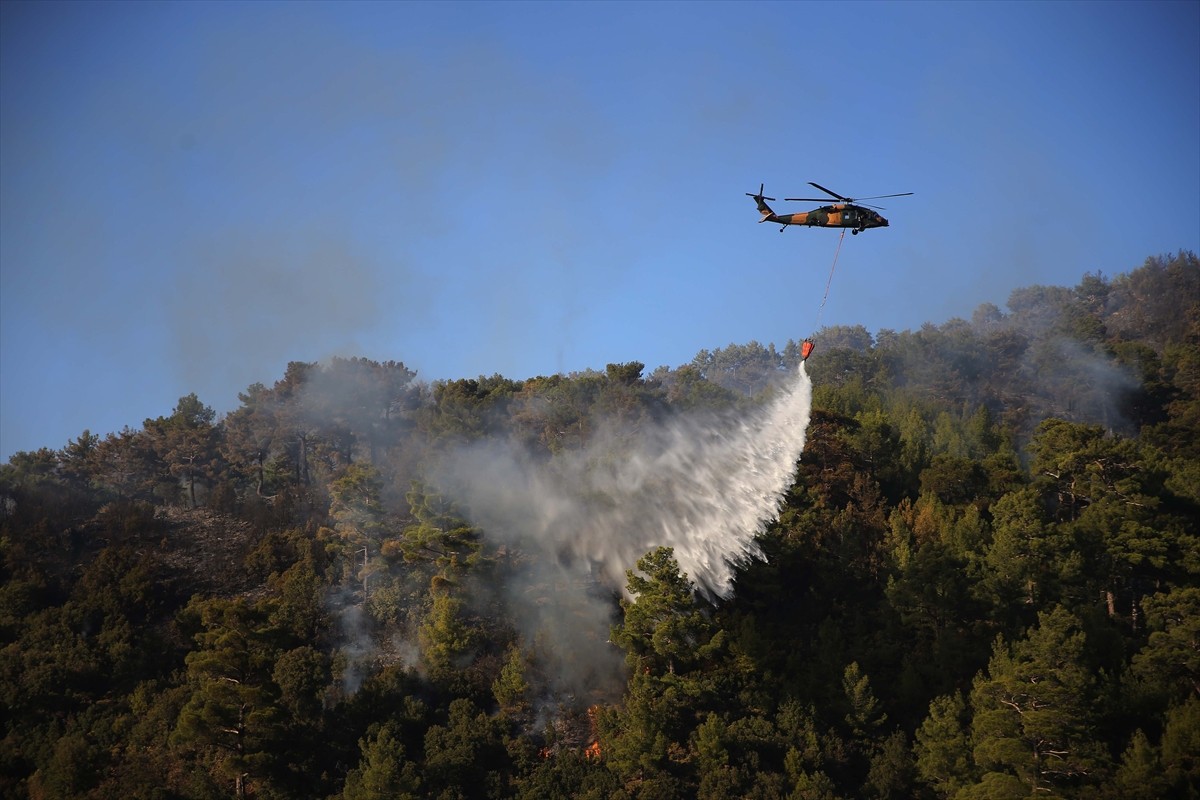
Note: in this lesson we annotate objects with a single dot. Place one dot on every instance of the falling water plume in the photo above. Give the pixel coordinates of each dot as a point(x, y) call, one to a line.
point(703, 484)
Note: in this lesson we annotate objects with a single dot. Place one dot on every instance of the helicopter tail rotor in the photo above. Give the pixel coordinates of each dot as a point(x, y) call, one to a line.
point(760, 197)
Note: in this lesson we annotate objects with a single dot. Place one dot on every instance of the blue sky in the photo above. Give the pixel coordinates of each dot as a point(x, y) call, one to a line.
point(194, 194)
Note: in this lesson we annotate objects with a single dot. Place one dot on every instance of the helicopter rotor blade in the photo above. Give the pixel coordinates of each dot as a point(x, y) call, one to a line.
point(825, 200)
point(840, 197)
point(832, 194)
point(847, 199)
point(881, 196)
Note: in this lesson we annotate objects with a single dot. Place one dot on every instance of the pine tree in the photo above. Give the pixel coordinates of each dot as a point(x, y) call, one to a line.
point(1034, 711)
point(943, 746)
point(385, 769)
point(232, 717)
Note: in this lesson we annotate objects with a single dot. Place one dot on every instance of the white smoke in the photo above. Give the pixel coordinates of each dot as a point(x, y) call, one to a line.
point(703, 484)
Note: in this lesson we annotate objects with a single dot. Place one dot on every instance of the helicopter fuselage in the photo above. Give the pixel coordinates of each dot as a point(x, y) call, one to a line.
point(838, 215)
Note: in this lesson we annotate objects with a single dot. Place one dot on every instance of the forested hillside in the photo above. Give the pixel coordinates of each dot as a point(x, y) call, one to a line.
point(984, 581)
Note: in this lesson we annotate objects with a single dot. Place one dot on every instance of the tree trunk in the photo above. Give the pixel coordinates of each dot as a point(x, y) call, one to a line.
point(262, 475)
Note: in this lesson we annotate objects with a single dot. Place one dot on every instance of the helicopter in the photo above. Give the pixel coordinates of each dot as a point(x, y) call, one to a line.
point(838, 215)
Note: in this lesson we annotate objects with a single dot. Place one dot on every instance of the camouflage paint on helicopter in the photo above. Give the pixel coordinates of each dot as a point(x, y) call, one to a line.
point(838, 215)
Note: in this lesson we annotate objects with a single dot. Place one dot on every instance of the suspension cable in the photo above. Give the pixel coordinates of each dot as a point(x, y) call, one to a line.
point(830, 280)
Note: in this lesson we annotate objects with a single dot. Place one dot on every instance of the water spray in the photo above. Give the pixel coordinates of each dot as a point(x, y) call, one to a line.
point(704, 484)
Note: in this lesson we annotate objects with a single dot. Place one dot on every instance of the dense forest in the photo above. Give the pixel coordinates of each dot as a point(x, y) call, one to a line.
point(983, 582)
